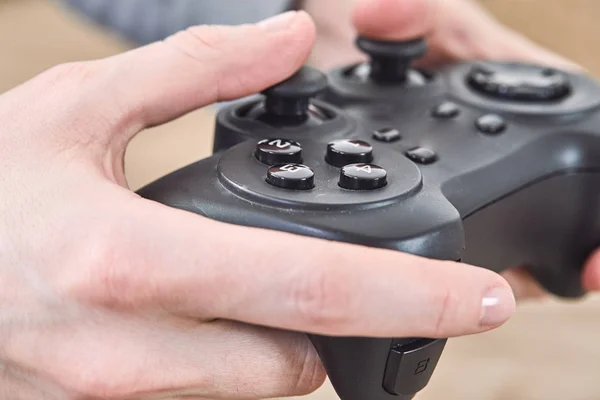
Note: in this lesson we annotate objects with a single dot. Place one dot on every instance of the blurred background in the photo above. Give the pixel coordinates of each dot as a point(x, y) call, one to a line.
point(548, 351)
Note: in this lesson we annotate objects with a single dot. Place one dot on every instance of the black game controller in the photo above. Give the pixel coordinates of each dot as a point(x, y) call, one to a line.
point(495, 164)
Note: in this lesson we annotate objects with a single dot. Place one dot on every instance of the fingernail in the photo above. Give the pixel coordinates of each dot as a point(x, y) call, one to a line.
point(498, 306)
point(278, 23)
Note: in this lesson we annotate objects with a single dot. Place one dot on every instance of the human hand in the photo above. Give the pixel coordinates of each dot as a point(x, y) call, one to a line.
point(108, 295)
point(460, 30)
point(456, 30)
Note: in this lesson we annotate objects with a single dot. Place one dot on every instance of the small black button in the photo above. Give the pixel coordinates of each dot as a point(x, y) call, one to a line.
point(446, 110)
point(363, 177)
point(278, 151)
point(410, 367)
point(387, 135)
point(491, 124)
point(291, 176)
point(422, 155)
point(344, 152)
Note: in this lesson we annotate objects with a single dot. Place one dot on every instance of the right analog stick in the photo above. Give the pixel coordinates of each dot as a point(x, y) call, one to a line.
point(391, 60)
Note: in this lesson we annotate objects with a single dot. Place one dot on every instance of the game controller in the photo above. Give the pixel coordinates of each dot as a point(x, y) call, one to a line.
point(496, 164)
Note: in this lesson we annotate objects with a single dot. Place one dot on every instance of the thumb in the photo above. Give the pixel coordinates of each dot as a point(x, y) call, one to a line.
point(457, 30)
point(591, 272)
point(157, 83)
point(395, 19)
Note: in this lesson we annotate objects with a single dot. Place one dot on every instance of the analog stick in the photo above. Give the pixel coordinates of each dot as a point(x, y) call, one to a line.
point(391, 60)
point(291, 97)
point(288, 102)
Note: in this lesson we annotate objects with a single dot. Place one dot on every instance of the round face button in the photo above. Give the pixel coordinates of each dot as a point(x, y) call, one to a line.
point(362, 176)
point(387, 135)
point(291, 176)
point(491, 124)
point(344, 152)
point(422, 155)
point(278, 151)
point(446, 110)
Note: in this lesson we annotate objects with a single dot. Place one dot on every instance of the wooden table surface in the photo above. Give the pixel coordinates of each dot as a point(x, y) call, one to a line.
point(548, 351)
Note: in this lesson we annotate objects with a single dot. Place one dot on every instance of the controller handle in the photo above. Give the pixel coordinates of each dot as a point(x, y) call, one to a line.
point(391, 60)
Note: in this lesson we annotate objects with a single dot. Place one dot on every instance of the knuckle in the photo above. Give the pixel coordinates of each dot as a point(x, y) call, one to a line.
point(197, 40)
point(82, 87)
point(311, 373)
point(74, 72)
point(93, 384)
point(102, 275)
point(443, 303)
point(322, 300)
point(208, 36)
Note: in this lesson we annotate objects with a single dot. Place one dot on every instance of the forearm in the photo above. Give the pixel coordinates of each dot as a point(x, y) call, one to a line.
point(146, 21)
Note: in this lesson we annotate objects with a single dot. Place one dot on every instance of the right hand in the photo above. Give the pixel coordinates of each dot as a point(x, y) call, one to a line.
point(105, 295)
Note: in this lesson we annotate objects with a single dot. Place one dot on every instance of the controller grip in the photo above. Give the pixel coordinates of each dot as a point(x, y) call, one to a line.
point(378, 369)
point(358, 368)
point(550, 227)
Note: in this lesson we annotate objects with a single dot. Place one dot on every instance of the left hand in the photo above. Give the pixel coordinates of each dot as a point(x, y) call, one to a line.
point(456, 30)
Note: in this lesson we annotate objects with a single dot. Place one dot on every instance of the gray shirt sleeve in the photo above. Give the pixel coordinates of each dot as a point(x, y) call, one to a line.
point(146, 21)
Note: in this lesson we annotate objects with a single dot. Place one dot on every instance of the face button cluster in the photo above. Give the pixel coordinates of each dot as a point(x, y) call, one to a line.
point(354, 158)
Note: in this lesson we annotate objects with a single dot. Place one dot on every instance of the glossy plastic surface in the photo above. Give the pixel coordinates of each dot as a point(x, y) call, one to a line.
point(469, 175)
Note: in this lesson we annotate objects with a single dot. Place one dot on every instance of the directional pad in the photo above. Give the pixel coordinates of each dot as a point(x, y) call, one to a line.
point(519, 83)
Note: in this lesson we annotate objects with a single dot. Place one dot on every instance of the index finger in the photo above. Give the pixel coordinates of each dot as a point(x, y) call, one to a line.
point(200, 268)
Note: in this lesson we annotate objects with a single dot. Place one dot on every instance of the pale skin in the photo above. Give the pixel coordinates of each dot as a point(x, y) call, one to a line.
point(456, 30)
point(104, 295)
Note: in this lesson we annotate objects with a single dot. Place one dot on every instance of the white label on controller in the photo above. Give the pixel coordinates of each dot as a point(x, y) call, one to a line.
point(291, 168)
point(365, 168)
point(279, 143)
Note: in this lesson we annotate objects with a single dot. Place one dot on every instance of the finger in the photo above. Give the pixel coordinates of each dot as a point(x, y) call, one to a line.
point(204, 64)
point(591, 272)
point(124, 357)
point(524, 286)
point(209, 63)
point(395, 19)
point(457, 30)
point(201, 268)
